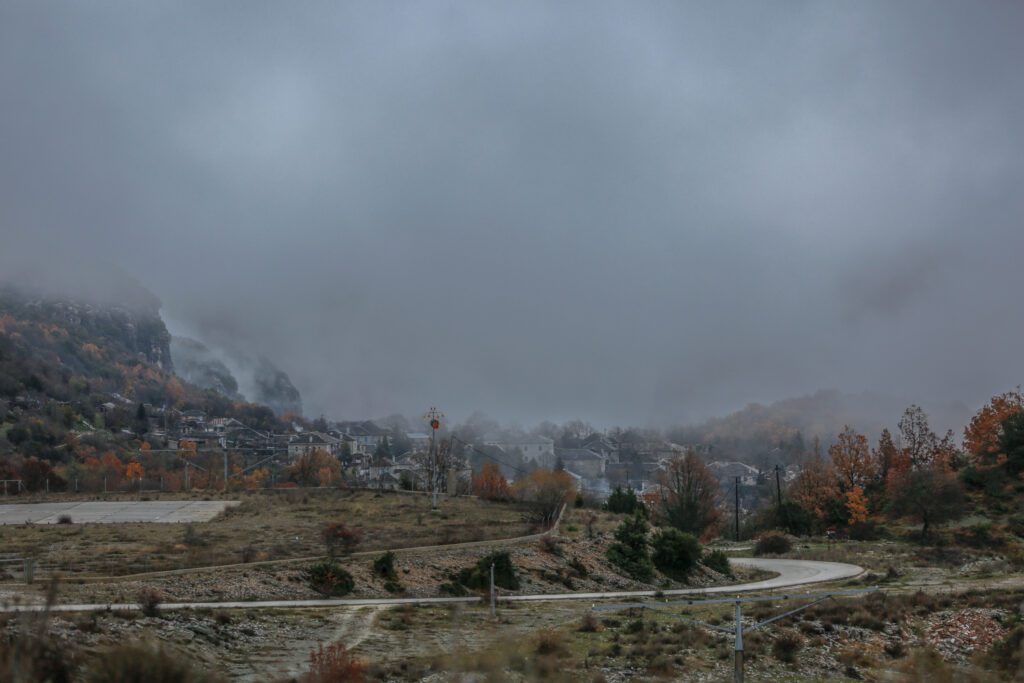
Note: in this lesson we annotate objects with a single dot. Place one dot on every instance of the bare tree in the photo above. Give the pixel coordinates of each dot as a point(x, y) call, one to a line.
point(688, 495)
point(920, 444)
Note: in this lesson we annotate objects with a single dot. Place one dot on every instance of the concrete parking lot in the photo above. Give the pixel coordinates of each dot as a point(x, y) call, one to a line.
point(159, 511)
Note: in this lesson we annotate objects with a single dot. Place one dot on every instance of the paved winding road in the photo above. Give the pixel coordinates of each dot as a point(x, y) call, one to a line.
point(789, 573)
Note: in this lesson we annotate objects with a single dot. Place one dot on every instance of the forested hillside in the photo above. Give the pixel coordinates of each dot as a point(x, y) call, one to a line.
point(80, 380)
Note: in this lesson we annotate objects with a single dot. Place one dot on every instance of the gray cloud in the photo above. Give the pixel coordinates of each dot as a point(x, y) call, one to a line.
point(539, 210)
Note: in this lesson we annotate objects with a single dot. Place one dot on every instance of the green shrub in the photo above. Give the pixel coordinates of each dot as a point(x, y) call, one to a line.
point(453, 588)
point(1015, 525)
point(384, 566)
point(772, 543)
point(330, 578)
point(629, 552)
point(577, 566)
point(479, 575)
point(991, 481)
point(864, 531)
point(675, 553)
point(192, 538)
point(624, 502)
point(718, 561)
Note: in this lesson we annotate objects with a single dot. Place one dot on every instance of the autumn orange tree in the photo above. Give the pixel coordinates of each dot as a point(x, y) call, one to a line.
point(134, 471)
point(851, 460)
point(982, 435)
point(111, 468)
point(490, 483)
point(545, 492)
point(313, 467)
point(856, 506)
point(815, 488)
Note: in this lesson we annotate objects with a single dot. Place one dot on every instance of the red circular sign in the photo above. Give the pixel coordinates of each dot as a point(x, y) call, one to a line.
point(435, 423)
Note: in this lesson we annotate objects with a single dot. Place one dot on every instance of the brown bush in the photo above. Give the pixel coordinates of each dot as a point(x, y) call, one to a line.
point(589, 623)
point(550, 643)
point(786, 646)
point(334, 664)
point(772, 543)
point(338, 535)
point(149, 600)
point(550, 545)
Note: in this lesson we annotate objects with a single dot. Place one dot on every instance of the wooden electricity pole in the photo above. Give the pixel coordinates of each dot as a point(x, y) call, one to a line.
point(737, 509)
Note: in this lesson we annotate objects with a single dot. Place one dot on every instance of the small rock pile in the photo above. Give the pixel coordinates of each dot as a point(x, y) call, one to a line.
point(959, 634)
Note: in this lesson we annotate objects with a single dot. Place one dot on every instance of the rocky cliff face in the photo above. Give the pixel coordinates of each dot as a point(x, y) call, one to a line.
point(135, 331)
point(236, 375)
point(101, 339)
point(142, 334)
point(274, 388)
point(196, 363)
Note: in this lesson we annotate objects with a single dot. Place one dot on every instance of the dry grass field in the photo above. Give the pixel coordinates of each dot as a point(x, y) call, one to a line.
point(266, 526)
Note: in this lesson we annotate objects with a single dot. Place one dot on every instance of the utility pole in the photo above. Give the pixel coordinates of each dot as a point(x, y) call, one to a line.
point(493, 611)
point(433, 418)
point(225, 471)
point(737, 509)
point(778, 488)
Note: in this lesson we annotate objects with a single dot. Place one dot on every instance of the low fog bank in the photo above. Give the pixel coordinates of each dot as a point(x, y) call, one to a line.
point(643, 215)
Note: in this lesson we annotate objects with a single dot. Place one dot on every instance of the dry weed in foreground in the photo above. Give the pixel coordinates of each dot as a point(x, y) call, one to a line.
point(334, 664)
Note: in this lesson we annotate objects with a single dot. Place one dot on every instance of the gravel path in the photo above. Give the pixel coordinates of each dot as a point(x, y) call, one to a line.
point(789, 573)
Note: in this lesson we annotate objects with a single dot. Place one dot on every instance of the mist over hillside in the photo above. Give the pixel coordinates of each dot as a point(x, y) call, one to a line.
point(641, 215)
point(791, 424)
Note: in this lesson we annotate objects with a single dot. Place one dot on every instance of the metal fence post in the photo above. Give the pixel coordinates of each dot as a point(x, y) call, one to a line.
point(738, 673)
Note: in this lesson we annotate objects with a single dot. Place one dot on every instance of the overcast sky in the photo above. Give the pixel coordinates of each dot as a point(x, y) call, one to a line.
point(626, 212)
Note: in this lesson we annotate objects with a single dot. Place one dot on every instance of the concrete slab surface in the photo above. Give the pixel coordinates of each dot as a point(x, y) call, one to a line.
point(113, 512)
